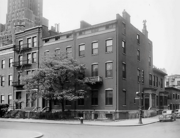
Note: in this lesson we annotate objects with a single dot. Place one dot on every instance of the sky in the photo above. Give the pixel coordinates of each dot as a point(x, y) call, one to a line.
point(163, 21)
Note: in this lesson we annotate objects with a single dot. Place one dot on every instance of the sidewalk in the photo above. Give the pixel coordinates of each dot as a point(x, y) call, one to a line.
point(127, 122)
point(9, 133)
point(30, 134)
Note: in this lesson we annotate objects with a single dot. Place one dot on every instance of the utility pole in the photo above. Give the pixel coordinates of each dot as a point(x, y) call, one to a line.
point(140, 103)
point(139, 96)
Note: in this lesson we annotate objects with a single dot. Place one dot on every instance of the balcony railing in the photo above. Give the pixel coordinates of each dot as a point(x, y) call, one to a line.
point(22, 47)
point(17, 84)
point(94, 80)
point(21, 63)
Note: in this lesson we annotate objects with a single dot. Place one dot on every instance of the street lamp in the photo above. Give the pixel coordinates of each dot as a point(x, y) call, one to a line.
point(139, 96)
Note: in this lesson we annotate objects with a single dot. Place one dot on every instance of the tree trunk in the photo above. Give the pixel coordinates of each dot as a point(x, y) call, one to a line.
point(62, 105)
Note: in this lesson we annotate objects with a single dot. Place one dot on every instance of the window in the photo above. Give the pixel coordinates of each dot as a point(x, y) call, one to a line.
point(95, 48)
point(109, 71)
point(149, 61)
point(56, 102)
point(124, 70)
point(138, 54)
point(67, 102)
point(57, 51)
point(34, 41)
point(34, 57)
point(28, 100)
point(157, 100)
point(10, 62)
point(94, 70)
point(156, 81)
point(109, 44)
point(82, 50)
point(81, 101)
point(3, 64)
point(19, 78)
point(28, 72)
point(46, 53)
point(124, 93)
point(10, 80)
point(138, 38)
point(2, 81)
point(138, 75)
point(21, 44)
point(20, 60)
point(150, 79)
point(161, 83)
point(109, 97)
point(2, 98)
point(178, 83)
point(9, 99)
point(94, 97)
point(124, 47)
point(142, 76)
point(29, 42)
point(124, 28)
point(29, 58)
point(69, 51)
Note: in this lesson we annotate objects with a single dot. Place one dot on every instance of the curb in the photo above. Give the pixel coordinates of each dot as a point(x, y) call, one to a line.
point(78, 124)
point(38, 136)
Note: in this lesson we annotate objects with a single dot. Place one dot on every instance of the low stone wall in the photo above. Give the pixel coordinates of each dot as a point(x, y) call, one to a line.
point(89, 115)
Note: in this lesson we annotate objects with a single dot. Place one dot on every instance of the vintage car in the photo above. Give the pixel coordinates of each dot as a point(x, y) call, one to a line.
point(167, 115)
point(177, 112)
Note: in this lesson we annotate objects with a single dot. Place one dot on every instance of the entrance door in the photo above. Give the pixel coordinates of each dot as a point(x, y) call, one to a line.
point(18, 98)
point(146, 103)
point(43, 103)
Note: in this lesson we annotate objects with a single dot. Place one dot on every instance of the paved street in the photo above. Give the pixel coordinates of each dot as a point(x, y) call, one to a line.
point(156, 130)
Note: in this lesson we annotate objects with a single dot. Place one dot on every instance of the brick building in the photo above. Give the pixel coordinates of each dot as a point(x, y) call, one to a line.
point(173, 81)
point(120, 55)
point(115, 53)
point(173, 100)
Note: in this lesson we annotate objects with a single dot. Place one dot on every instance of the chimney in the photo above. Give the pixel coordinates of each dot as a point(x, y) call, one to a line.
point(57, 27)
point(84, 24)
point(126, 16)
point(144, 30)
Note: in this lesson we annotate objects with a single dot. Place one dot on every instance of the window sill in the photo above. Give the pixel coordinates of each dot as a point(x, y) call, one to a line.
point(94, 54)
point(124, 79)
point(94, 105)
point(109, 52)
point(124, 54)
point(80, 105)
point(109, 78)
point(109, 105)
point(124, 105)
point(81, 56)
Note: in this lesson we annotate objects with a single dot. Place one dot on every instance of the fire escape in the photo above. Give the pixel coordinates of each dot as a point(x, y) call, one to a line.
point(20, 64)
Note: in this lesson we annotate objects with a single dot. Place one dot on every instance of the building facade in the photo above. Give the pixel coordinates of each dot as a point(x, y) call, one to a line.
point(173, 98)
point(115, 53)
point(173, 81)
point(121, 56)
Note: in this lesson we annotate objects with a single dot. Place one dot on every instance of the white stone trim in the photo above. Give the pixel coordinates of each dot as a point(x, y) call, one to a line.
point(97, 33)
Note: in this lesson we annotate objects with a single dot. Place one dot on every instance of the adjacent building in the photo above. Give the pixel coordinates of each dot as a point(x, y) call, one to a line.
point(173, 101)
point(173, 81)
